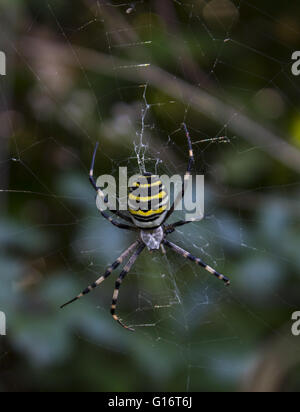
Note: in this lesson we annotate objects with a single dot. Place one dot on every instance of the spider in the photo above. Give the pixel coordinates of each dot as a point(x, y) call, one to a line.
point(149, 222)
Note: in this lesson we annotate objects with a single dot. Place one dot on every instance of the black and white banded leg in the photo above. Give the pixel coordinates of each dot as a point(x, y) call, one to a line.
point(171, 228)
point(108, 272)
point(187, 174)
point(101, 194)
point(119, 281)
point(196, 260)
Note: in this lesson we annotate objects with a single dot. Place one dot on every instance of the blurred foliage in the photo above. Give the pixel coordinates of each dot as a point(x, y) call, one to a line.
point(53, 243)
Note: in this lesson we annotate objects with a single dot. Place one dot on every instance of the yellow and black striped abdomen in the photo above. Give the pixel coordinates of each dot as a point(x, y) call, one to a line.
point(148, 201)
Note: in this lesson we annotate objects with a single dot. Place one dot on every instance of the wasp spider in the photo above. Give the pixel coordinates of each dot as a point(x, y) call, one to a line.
point(148, 208)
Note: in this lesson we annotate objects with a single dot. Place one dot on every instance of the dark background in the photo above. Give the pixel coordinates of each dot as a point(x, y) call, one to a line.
point(81, 72)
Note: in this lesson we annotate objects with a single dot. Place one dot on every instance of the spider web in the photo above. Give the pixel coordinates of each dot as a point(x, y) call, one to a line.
point(186, 322)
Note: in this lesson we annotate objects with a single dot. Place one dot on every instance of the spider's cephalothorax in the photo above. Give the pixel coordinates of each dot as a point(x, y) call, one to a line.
point(153, 239)
point(148, 208)
point(148, 201)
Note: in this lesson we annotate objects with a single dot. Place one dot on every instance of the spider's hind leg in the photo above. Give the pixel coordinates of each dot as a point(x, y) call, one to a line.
point(186, 176)
point(102, 196)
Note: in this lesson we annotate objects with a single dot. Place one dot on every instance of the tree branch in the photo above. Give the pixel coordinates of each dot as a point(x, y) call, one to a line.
point(200, 100)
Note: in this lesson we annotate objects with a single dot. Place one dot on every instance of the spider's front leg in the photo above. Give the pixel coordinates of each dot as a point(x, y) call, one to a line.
point(119, 281)
point(108, 272)
point(196, 260)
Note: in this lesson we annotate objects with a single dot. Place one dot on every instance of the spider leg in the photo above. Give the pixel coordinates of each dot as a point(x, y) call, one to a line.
point(101, 194)
point(196, 260)
point(171, 228)
point(92, 180)
point(106, 274)
point(187, 174)
point(116, 223)
point(119, 282)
